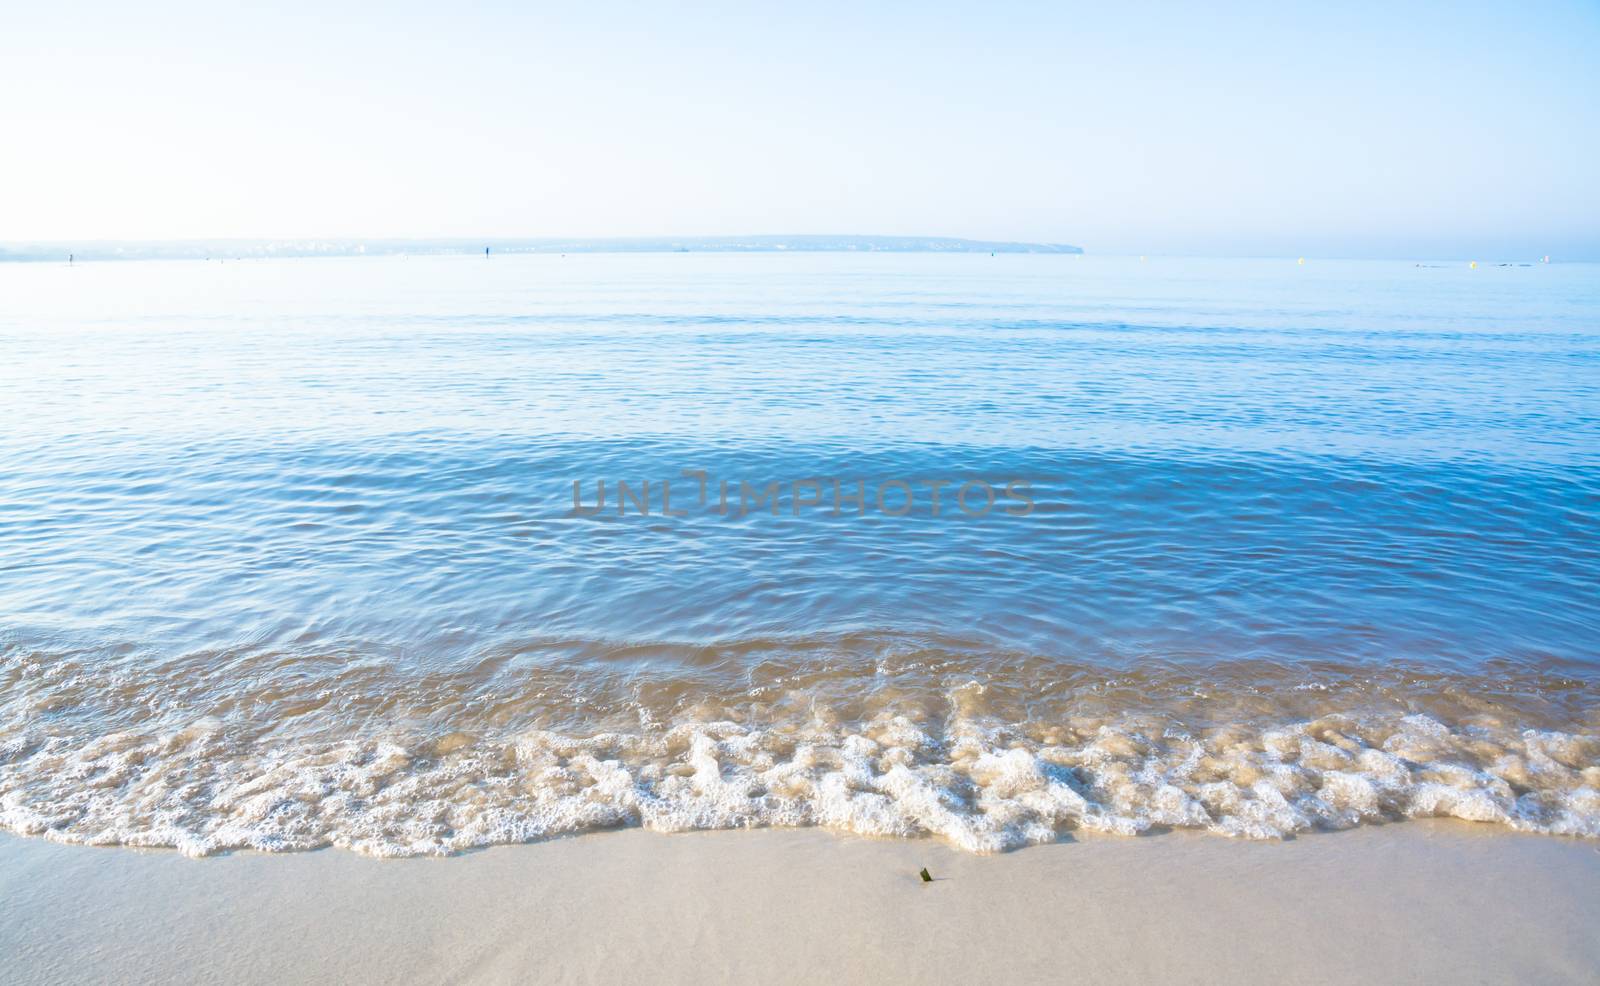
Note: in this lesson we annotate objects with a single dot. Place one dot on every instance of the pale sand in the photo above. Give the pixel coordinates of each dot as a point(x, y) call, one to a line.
point(1416, 902)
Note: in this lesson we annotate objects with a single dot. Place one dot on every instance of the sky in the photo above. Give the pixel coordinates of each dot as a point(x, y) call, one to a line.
point(1272, 129)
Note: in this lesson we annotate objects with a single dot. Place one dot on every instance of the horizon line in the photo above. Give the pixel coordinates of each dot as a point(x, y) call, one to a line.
point(312, 247)
point(288, 246)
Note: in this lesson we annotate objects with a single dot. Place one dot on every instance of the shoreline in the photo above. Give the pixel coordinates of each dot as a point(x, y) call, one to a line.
point(1418, 901)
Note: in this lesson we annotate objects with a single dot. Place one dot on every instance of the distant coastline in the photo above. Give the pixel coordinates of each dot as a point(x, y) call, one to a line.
point(311, 247)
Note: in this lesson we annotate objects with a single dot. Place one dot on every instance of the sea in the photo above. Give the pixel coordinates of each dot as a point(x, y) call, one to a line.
point(413, 555)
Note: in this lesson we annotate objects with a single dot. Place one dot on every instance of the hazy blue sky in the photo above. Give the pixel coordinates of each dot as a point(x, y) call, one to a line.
point(1428, 129)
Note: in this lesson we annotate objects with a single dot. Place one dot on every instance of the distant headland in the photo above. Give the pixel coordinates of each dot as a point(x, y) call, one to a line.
point(258, 249)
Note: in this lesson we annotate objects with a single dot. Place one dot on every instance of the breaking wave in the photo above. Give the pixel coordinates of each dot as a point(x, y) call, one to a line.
point(915, 743)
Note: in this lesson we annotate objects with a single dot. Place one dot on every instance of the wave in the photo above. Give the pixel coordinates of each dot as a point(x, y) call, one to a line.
point(988, 754)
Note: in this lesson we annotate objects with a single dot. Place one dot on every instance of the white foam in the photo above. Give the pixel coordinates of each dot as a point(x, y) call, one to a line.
point(982, 786)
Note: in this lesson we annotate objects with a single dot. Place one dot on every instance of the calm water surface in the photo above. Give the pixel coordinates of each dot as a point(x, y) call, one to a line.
point(289, 555)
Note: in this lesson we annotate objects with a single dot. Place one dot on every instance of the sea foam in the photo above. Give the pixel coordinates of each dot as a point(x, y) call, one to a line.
point(983, 786)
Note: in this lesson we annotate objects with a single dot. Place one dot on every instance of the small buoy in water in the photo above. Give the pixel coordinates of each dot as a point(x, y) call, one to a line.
point(1473, 265)
point(1301, 261)
point(1141, 258)
point(925, 877)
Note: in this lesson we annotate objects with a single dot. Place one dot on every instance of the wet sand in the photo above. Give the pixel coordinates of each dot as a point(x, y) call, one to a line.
point(1413, 902)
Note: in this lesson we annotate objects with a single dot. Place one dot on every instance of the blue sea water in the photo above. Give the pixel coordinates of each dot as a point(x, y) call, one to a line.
point(289, 553)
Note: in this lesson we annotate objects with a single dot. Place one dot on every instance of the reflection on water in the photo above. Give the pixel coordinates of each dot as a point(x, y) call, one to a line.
point(288, 554)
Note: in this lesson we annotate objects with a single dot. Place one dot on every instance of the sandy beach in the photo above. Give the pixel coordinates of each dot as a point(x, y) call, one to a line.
point(1413, 902)
point(620, 493)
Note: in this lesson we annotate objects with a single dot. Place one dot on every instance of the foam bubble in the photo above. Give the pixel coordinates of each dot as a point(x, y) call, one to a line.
point(979, 784)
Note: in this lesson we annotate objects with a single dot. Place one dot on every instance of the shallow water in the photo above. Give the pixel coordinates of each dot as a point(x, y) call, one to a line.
point(289, 554)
